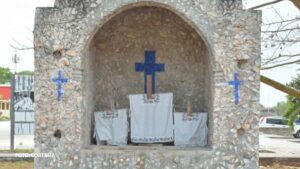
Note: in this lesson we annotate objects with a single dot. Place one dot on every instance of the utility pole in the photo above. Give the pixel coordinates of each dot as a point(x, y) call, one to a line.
point(288, 90)
point(15, 60)
point(12, 113)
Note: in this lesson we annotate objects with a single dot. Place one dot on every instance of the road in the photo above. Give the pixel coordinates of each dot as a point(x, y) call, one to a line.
point(21, 141)
point(278, 146)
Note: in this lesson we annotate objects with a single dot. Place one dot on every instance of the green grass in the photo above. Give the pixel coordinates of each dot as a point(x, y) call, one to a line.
point(17, 151)
point(16, 164)
point(4, 118)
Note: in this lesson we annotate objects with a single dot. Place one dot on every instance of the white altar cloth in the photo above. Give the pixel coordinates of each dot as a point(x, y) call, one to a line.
point(111, 127)
point(190, 130)
point(151, 120)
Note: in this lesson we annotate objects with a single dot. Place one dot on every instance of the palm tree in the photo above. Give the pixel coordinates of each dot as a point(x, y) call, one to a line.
point(293, 103)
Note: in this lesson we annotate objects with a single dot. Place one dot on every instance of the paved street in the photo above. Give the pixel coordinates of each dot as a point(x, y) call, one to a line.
point(279, 146)
point(21, 141)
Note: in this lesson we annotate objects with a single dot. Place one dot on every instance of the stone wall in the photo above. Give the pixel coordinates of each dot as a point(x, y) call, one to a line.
point(64, 36)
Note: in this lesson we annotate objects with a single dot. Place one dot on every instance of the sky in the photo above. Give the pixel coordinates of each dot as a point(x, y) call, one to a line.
point(268, 95)
point(17, 21)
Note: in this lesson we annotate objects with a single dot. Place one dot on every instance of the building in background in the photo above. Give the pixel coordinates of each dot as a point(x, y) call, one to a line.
point(5, 95)
point(268, 112)
point(23, 105)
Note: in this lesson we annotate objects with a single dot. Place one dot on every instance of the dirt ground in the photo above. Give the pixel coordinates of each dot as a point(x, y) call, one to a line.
point(286, 164)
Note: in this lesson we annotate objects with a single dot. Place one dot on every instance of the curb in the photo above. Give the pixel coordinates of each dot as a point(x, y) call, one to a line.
point(279, 159)
point(16, 159)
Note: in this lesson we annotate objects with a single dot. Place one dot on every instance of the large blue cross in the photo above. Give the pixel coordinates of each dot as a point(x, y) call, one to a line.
point(60, 81)
point(149, 68)
point(236, 83)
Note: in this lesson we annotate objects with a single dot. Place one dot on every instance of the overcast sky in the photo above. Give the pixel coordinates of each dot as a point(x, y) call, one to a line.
point(17, 19)
point(268, 95)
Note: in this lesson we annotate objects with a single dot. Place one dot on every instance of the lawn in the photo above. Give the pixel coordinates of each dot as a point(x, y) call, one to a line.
point(17, 151)
point(16, 165)
point(3, 118)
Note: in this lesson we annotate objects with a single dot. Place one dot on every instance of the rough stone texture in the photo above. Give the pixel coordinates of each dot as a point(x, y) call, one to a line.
point(122, 41)
point(65, 39)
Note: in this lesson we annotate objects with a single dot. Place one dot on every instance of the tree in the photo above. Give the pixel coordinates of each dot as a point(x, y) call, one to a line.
point(278, 37)
point(293, 103)
point(5, 75)
point(281, 41)
point(26, 72)
point(281, 108)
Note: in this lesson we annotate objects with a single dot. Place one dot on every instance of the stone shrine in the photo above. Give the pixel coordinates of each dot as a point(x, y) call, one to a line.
point(85, 53)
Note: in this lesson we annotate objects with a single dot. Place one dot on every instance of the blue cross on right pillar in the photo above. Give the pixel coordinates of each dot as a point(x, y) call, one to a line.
point(60, 80)
point(236, 83)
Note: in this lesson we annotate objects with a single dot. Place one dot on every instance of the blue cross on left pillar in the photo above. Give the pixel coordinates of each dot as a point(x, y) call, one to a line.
point(236, 83)
point(149, 68)
point(60, 81)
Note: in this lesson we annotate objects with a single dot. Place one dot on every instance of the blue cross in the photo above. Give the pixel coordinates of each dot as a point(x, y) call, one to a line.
point(149, 68)
point(236, 83)
point(60, 81)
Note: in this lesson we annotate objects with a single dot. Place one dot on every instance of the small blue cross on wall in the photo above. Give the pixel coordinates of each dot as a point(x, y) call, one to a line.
point(149, 68)
point(60, 81)
point(236, 83)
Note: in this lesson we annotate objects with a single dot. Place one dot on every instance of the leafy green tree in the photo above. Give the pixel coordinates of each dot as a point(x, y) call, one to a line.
point(26, 72)
point(5, 75)
point(281, 108)
point(3, 118)
point(293, 103)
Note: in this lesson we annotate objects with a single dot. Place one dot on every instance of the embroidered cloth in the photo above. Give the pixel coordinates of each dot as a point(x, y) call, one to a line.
point(151, 120)
point(111, 127)
point(190, 130)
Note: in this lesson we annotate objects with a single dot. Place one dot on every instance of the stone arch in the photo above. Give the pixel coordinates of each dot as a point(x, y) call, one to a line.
point(100, 18)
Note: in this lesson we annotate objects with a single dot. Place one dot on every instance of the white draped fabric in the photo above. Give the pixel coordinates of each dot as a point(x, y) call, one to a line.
point(190, 130)
point(151, 120)
point(111, 127)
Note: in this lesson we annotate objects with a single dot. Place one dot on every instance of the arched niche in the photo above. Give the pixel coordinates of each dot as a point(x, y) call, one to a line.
point(121, 42)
